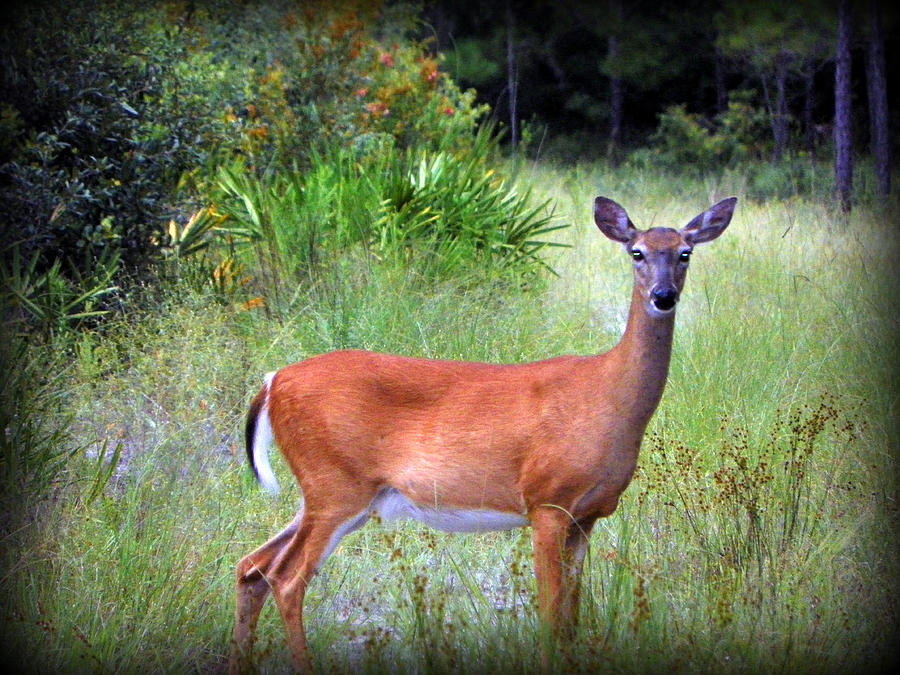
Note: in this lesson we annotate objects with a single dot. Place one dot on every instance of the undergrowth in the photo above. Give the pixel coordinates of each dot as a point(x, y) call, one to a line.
point(757, 534)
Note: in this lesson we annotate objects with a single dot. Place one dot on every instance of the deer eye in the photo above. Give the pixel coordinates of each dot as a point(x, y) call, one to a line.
point(684, 256)
point(637, 255)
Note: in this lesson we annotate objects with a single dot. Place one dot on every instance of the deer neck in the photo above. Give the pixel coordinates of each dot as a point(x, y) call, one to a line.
point(643, 355)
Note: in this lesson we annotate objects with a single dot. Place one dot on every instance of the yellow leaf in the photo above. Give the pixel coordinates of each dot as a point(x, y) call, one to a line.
point(253, 303)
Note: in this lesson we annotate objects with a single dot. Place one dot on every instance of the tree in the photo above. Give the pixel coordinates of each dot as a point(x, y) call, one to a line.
point(776, 41)
point(876, 82)
point(809, 130)
point(616, 87)
point(843, 160)
point(512, 77)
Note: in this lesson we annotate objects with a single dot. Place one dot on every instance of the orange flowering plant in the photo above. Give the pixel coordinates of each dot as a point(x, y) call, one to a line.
point(339, 85)
point(409, 98)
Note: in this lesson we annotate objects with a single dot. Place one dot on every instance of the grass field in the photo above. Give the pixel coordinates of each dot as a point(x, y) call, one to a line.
point(759, 534)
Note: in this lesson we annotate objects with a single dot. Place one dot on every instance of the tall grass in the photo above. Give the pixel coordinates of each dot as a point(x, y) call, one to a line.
point(757, 534)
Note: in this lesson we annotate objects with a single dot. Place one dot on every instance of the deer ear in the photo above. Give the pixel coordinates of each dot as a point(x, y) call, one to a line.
point(613, 221)
point(711, 223)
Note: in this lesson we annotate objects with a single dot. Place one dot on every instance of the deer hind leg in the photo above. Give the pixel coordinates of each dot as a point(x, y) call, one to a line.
point(284, 566)
point(252, 589)
point(290, 572)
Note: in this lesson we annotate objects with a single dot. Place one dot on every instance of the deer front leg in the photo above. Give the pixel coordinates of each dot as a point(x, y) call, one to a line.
point(550, 527)
point(560, 546)
point(574, 552)
point(549, 533)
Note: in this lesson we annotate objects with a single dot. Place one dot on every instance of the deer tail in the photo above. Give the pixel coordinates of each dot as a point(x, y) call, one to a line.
point(258, 436)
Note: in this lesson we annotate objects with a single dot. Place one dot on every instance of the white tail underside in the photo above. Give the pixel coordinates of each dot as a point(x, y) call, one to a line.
point(262, 440)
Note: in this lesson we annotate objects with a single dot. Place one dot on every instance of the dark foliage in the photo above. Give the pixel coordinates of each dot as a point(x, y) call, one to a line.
point(81, 177)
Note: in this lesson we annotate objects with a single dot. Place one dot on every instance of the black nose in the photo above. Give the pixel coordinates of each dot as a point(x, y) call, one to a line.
point(664, 299)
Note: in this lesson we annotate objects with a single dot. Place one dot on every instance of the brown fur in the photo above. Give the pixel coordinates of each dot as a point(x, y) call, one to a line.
point(554, 442)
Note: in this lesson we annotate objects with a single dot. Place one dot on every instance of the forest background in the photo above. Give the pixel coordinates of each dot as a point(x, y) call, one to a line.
point(194, 193)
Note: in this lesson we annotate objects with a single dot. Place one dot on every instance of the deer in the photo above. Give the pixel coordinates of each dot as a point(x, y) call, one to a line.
point(466, 447)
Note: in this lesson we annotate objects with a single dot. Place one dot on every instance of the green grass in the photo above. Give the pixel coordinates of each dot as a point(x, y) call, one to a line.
point(758, 534)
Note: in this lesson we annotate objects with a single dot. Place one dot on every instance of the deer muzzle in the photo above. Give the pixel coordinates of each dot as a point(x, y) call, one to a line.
point(664, 298)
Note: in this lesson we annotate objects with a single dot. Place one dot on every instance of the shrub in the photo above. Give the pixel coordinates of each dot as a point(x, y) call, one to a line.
point(341, 84)
point(433, 210)
point(792, 176)
point(410, 99)
point(116, 116)
point(459, 212)
point(685, 142)
point(36, 440)
point(114, 110)
point(691, 143)
point(743, 128)
point(49, 302)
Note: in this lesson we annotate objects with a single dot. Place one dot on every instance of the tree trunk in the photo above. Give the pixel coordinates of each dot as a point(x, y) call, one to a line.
point(721, 87)
point(809, 102)
point(843, 160)
point(616, 18)
point(780, 118)
point(616, 105)
point(879, 141)
point(512, 79)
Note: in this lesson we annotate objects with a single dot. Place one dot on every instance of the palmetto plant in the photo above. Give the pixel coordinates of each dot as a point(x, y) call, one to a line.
point(440, 211)
point(459, 208)
point(194, 236)
point(48, 299)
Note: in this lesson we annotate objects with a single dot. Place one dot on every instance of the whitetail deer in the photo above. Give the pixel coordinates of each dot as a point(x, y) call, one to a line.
point(467, 447)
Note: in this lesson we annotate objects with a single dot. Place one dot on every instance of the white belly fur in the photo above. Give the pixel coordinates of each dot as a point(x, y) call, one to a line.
point(392, 505)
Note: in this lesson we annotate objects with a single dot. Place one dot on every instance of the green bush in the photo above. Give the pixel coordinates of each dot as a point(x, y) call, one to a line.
point(333, 82)
point(792, 176)
point(436, 211)
point(83, 182)
point(686, 142)
point(744, 129)
point(457, 211)
point(690, 143)
point(117, 115)
point(734, 143)
point(35, 442)
point(50, 302)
